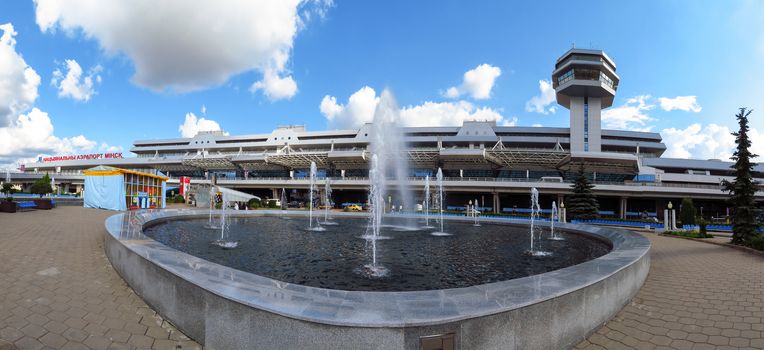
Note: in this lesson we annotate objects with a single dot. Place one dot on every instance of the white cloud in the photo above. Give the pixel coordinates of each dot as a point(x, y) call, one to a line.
point(711, 141)
point(629, 116)
point(274, 87)
point(193, 125)
point(682, 103)
point(73, 84)
point(509, 122)
point(18, 81)
point(358, 110)
point(541, 102)
point(105, 147)
point(32, 135)
point(183, 46)
point(362, 104)
point(449, 114)
point(478, 83)
point(24, 137)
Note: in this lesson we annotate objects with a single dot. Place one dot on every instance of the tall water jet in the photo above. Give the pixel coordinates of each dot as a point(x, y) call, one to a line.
point(312, 201)
point(426, 202)
point(439, 185)
point(222, 242)
point(388, 145)
point(535, 211)
point(554, 218)
point(210, 224)
point(283, 199)
point(328, 204)
point(476, 213)
point(376, 205)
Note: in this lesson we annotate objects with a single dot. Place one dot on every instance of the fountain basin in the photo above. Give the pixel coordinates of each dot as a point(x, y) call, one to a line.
point(225, 308)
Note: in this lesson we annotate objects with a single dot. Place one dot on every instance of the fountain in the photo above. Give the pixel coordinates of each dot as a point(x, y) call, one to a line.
point(222, 242)
point(426, 203)
point(376, 204)
point(535, 211)
point(312, 200)
point(283, 199)
point(210, 224)
point(554, 218)
point(328, 203)
point(7, 176)
point(439, 184)
point(476, 213)
point(387, 143)
point(414, 285)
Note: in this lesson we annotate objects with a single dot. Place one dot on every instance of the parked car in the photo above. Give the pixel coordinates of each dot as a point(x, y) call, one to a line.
point(353, 207)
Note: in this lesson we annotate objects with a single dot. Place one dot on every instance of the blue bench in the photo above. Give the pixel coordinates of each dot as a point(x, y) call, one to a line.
point(26, 205)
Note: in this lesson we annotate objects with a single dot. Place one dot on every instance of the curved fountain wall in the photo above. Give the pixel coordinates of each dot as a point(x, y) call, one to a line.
point(224, 308)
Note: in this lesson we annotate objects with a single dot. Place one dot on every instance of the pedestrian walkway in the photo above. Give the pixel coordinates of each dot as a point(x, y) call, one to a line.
point(58, 290)
point(697, 296)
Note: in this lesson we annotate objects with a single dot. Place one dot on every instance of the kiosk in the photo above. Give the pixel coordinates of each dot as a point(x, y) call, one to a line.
point(120, 189)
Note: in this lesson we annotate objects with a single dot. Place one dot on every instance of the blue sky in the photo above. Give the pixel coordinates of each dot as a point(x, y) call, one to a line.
point(707, 52)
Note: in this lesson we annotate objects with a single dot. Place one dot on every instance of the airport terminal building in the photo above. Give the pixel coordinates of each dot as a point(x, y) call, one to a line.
point(480, 160)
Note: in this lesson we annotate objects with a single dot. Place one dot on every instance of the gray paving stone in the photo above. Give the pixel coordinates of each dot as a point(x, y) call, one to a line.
point(697, 295)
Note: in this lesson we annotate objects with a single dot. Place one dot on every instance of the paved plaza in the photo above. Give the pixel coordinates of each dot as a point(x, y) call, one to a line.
point(58, 290)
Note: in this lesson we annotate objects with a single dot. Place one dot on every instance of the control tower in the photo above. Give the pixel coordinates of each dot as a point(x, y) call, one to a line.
point(585, 82)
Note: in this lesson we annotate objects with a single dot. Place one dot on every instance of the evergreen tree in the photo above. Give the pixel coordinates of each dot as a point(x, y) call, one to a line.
point(582, 205)
point(687, 214)
point(742, 190)
point(42, 186)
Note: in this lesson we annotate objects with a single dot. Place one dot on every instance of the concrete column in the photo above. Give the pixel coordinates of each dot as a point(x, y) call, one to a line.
point(560, 199)
point(274, 193)
point(576, 124)
point(623, 207)
point(496, 203)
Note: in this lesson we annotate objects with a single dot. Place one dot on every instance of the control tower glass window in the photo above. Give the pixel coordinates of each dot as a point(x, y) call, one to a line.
point(586, 124)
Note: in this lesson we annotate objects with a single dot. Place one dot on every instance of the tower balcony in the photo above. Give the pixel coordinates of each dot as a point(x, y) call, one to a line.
point(584, 82)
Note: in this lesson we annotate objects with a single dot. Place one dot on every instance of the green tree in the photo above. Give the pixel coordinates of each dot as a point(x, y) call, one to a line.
point(8, 189)
point(582, 204)
point(42, 186)
point(687, 215)
point(745, 225)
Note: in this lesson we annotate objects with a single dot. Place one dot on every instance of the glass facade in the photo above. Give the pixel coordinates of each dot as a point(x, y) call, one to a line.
point(586, 124)
point(585, 74)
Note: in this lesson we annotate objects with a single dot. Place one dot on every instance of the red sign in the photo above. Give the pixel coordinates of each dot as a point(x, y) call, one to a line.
point(185, 183)
point(81, 156)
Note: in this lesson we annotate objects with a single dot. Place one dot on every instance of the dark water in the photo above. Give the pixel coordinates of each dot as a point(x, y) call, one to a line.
point(281, 249)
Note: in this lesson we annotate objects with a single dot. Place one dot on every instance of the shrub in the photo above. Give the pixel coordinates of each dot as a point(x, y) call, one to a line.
point(703, 230)
point(9, 199)
point(272, 204)
point(757, 242)
point(253, 203)
point(178, 199)
point(690, 234)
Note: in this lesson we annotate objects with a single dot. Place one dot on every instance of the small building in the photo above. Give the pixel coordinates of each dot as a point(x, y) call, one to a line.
point(120, 189)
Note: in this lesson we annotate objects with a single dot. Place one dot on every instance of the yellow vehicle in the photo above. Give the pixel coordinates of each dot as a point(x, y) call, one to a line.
point(353, 207)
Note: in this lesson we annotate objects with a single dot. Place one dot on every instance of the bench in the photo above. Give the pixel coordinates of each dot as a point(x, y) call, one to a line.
point(26, 205)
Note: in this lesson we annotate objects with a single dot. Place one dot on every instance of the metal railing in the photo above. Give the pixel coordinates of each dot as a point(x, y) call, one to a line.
point(485, 179)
